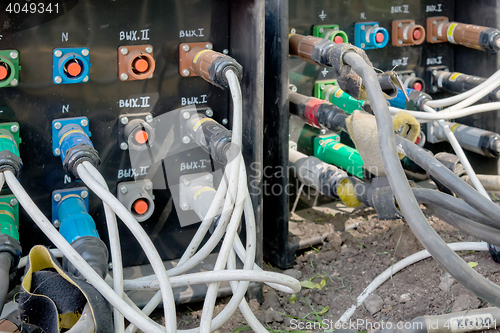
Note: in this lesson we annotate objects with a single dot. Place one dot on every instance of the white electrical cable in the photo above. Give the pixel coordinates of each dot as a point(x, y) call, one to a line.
point(385, 275)
point(460, 153)
point(142, 238)
point(439, 103)
point(116, 254)
point(75, 258)
point(447, 115)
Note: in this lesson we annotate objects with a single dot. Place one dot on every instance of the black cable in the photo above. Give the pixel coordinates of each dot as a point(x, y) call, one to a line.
point(450, 180)
point(5, 262)
point(452, 204)
point(410, 208)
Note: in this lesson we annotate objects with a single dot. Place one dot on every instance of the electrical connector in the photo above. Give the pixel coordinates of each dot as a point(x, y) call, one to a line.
point(136, 131)
point(71, 141)
point(9, 229)
point(199, 59)
point(370, 35)
point(457, 83)
point(137, 197)
point(70, 214)
point(331, 92)
point(9, 68)
point(330, 150)
point(9, 148)
point(407, 33)
point(331, 32)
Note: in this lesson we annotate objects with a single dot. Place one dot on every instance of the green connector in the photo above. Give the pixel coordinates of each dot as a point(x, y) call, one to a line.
point(9, 137)
point(330, 150)
point(330, 91)
point(9, 68)
point(9, 216)
point(331, 32)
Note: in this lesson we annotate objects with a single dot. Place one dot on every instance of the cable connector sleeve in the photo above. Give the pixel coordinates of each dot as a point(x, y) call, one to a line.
point(13, 248)
point(94, 251)
point(78, 154)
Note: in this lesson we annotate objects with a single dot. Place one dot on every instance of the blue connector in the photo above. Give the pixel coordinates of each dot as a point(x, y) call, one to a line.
point(71, 141)
point(70, 65)
point(369, 35)
point(70, 209)
point(400, 100)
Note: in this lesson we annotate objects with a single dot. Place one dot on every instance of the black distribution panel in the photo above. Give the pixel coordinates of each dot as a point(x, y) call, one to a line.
point(102, 27)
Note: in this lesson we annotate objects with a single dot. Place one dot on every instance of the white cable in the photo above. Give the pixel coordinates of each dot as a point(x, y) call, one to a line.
point(142, 238)
point(116, 254)
point(74, 257)
point(460, 153)
point(385, 275)
point(474, 98)
point(439, 103)
point(447, 115)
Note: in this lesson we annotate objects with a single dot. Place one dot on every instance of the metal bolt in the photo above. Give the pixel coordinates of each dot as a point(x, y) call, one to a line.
point(123, 189)
point(186, 139)
point(321, 30)
point(57, 151)
point(400, 25)
point(412, 74)
point(224, 121)
point(57, 224)
point(124, 120)
point(148, 186)
point(124, 76)
point(14, 54)
point(186, 72)
point(58, 53)
point(85, 79)
point(292, 31)
point(434, 22)
point(362, 45)
point(362, 27)
point(376, 25)
point(434, 72)
point(85, 52)
point(434, 89)
point(294, 89)
point(323, 131)
point(58, 79)
point(209, 113)
point(13, 202)
point(14, 82)
point(185, 207)
point(186, 115)
point(84, 194)
point(434, 39)
point(186, 182)
point(186, 47)
point(400, 42)
point(323, 87)
point(225, 51)
point(209, 178)
point(57, 197)
point(14, 128)
point(149, 118)
point(110, 265)
point(123, 146)
point(149, 49)
point(57, 125)
point(150, 77)
point(124, 50)
point(209, 46)
point(84, 122)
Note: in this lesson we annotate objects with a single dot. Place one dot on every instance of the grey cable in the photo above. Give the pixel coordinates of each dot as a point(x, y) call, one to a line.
point(5, 262)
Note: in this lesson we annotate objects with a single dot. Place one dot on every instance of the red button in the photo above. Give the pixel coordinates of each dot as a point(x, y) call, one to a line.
point(141, 206)
point(379, 37)
point(74, 68)
point(141, 137)
point(338, 40)
point(141, 65)
point(417, 86)
point(3, 72)
point(416, 34)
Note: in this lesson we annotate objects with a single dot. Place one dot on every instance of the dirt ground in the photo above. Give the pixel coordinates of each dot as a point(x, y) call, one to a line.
point(346, 263)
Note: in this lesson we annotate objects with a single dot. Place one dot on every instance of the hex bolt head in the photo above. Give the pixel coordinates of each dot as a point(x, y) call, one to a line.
point(292, 31)
point(124, 76)
point(186, 182)
point(13, 202)
point(186, 139)
point(57, 224)
point(123, 146)
point(186, 115)
point(224, 121)
point(85, 79)
point(123, 189)
point(225, 51)
point(209, 46)
point(84, 194)
point(323, 131)
point(400, 25)
point(149, 49)
point(84, 122)
point(186, 72)
point(110, 265)
point(323, 87)
point(209, 178)
point(57, 151)
point(14, 54)
point(321, 30)
point(14, 128)
point(58, 53)
point(362, 27)
point(124, 51)
point(149, 118)
point(14, 82)
point(148, 185)
point(57, 197)
point(294, 89)
point(186, 47)
point(400, 42)
point(209, 113)
point(434, 22)
point(434, 39)
point(185, 207)
point(57, 125)
point(124, 120)
point(58, 79)
point(434, 72)
point(85, 52)
point(434, 89)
